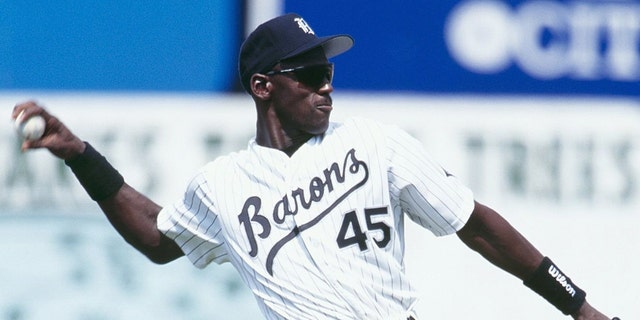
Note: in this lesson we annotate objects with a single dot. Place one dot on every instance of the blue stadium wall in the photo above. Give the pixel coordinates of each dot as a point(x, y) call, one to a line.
point(506, 47)
point(160, 45)
point(489, 47)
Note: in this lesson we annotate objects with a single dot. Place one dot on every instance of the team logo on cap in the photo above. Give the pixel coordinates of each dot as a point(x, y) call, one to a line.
point(304, 26)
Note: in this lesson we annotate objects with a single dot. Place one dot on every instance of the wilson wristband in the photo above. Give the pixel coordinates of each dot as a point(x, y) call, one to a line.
point(95, 174)
point(553, 285)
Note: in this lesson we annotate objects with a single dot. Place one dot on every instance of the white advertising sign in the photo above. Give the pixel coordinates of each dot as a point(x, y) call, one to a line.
point(565, 172)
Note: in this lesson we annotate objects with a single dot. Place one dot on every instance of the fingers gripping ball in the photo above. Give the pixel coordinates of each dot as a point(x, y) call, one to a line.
point(30, 129)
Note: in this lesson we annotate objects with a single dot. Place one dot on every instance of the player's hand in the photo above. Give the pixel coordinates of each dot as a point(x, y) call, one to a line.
point(587, 312)
point(57, 138)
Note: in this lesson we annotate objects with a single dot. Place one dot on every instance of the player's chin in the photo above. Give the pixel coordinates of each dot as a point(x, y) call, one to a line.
point(320, 127)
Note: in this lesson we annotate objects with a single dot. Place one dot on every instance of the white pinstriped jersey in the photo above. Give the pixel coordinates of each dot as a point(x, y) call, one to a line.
point(320, 234)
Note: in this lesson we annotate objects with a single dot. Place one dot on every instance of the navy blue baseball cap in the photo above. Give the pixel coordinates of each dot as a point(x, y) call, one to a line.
point(281, 38)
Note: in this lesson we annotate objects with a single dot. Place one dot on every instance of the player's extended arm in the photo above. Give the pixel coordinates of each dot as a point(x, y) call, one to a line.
point(132, 214)
point(494, 238)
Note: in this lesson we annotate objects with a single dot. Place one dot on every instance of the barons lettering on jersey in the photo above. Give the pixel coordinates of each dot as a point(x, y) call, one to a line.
point(317, 189)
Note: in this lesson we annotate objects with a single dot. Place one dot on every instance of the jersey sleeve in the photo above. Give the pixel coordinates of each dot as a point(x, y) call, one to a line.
point(426, 192)
point(192, 223)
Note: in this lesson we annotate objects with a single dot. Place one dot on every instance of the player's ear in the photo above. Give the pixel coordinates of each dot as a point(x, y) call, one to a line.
point(261, 86)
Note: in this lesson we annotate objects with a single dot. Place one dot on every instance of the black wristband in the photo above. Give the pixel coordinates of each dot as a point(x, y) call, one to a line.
point(95, 173)
point(553, 285)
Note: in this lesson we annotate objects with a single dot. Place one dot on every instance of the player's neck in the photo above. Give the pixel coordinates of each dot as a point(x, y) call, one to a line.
point(295, 143)
point(271, 133)
point(282, 142)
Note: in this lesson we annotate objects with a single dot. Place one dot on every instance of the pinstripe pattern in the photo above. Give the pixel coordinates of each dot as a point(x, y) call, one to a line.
point(319, 235)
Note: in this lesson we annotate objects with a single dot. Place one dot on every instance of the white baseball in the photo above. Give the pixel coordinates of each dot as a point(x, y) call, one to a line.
point(30, 129)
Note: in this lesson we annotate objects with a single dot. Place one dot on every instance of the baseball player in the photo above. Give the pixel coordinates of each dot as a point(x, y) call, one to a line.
point(311, 213)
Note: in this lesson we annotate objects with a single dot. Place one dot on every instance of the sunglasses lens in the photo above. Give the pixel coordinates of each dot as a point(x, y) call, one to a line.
point(315, 76)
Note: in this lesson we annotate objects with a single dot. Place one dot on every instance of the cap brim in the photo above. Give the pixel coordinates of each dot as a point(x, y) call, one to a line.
point(332, 45)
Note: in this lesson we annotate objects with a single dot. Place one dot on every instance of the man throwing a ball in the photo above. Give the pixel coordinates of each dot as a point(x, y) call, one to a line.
point(312, 212)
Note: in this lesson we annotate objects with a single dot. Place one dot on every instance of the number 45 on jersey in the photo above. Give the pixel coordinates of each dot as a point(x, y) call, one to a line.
point(354, 232)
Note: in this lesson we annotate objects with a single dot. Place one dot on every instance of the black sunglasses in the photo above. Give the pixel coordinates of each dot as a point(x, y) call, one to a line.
point(314, 76)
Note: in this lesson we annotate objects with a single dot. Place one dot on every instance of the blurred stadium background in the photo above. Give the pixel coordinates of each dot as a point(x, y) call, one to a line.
point(534, 103)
